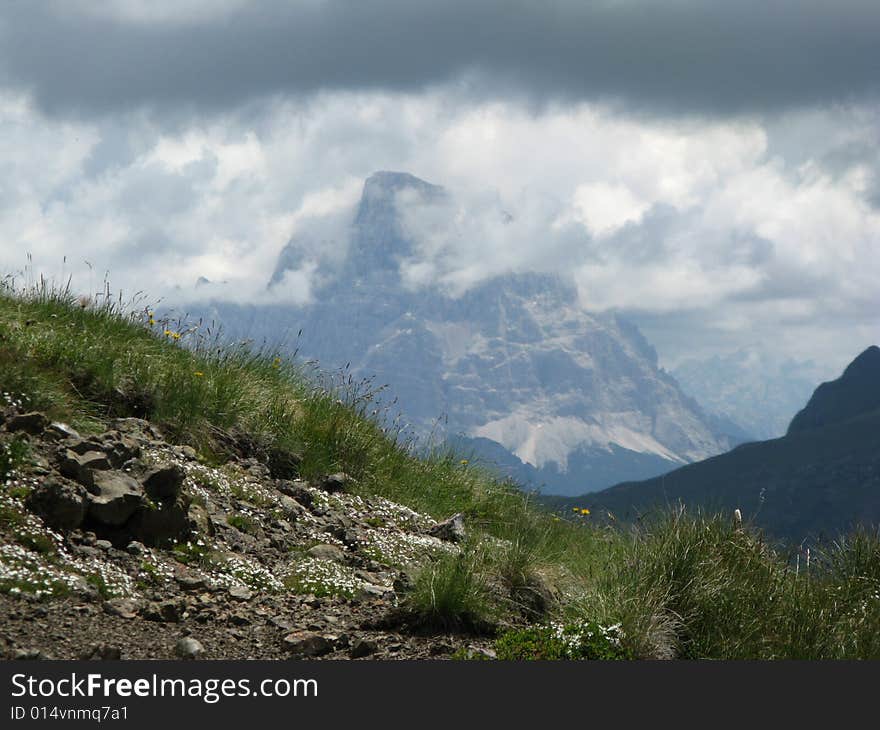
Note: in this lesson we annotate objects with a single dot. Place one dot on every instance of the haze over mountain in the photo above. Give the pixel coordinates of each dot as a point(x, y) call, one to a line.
point(820, 479)
point(514, 367)
point(750, 387)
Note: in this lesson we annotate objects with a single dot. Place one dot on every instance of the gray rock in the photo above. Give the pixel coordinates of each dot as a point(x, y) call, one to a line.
point(241, 593)
point(307, 644)
point(61, 504)
point(161, 523)
point(404, 581)
point(370, 592)
point(190, 582)
point(135, 548)
point(281, 622)
point(353, 538)
point(334, 483)
point(95, 460)
point(116, 498)
point(200, 520)
point(83, 446)
point(479, 652)
point(127, 608)
point(283, 462)
point(104, 545)
point(292, 509)
point(536, 596)
point(366, 576)
point(81, 467)
point(327, 552)
point(121, 449)
point(168, 611)
point(87, 551)
point(62, 430)
point(31, 655)
point(164, 482)
point(188, 453)
point(451, 530)
point(295, 489)
point(32, 423)
point(102, 652)
point(361, 648)
point(69, 465)
point(189, 648)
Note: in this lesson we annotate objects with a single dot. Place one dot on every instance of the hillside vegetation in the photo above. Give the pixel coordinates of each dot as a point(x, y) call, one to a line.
point(539, 585)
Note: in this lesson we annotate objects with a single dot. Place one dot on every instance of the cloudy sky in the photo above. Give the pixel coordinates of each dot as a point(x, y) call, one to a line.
point(710, 168)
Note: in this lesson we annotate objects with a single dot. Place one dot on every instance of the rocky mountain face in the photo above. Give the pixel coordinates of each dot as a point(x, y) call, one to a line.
point(513, 369)
point(819, 480)
point(750, 388)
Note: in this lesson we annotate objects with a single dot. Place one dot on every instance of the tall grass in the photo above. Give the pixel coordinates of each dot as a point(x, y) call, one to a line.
point(694, 586)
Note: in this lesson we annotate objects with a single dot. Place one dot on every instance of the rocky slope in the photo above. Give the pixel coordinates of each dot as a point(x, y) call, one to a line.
point(514, 368)
point(148, 552)
point(819, 480)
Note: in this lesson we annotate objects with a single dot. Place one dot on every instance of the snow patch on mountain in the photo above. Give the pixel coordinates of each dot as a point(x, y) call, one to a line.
point(540, 441)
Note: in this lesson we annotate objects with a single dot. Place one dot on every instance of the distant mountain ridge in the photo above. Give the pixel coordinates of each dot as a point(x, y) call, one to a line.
point(575, 401)
point(749, 387)
point(822, 478)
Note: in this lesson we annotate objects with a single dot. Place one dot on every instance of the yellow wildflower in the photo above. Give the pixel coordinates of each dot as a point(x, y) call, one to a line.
point(585, 511)
point(198, 373)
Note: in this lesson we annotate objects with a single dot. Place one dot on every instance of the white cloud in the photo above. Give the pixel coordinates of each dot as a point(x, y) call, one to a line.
point(156, 12)
point(603, 208)
point(719, 221)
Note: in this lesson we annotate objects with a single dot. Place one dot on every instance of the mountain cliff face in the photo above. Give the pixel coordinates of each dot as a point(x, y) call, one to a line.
point(822, 478)
point(515, 368)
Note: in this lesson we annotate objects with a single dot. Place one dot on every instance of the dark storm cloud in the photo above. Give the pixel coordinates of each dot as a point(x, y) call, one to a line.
point(705, 57)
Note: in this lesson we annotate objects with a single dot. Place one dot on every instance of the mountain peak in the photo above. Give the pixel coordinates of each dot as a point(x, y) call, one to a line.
point(865, 365)
point(393, 180)
point(855, 392)
point(380, 239)
point(381, 188)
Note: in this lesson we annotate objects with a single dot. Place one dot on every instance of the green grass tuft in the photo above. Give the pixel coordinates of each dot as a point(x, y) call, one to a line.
point(451, 592)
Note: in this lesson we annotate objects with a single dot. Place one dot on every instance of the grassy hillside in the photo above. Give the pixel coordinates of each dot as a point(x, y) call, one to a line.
point(677, 585)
